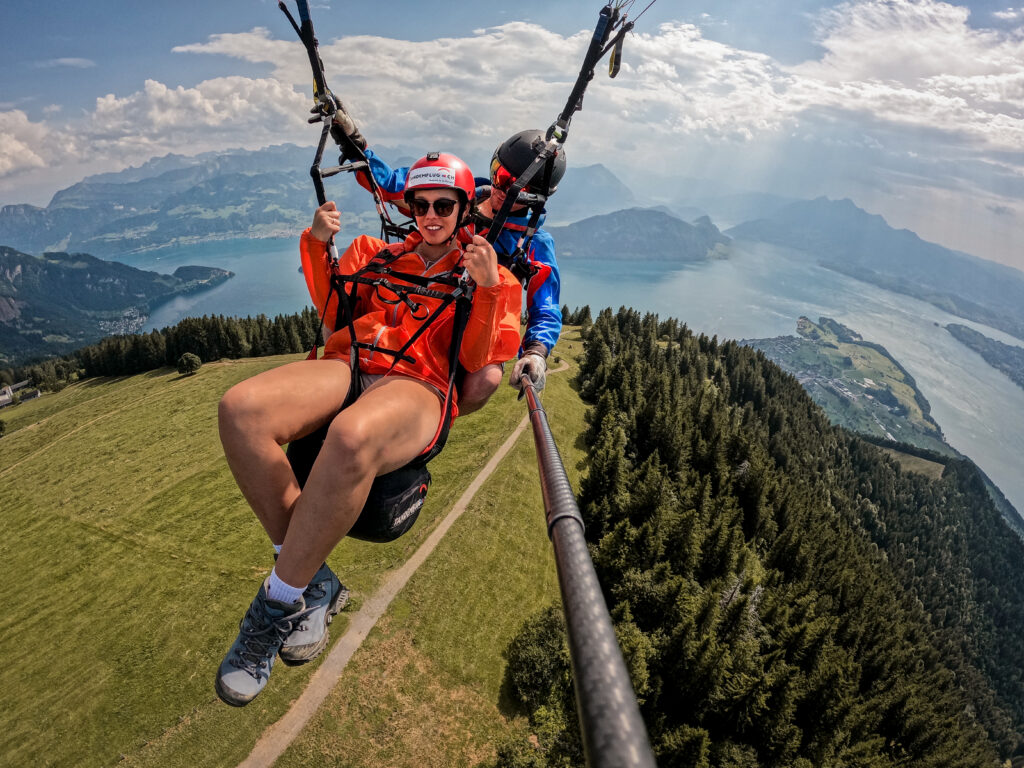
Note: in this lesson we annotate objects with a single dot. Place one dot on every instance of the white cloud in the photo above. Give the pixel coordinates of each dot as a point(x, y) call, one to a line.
point(906, 94)
point(898, 41)
point(66, 62)
point(254, 46)
point(918, 63)
point(406, 89)
point(24, 145)
point(469, 91)
point(911, 64)
point(219, 113)
point(1010, 14)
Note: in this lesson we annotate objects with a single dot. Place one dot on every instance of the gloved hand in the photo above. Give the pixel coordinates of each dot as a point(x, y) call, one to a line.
point(342, 126)
point(533, 365)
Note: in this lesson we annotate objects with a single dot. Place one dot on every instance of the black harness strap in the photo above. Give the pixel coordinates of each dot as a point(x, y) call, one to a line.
point(516, 261)
point(326, 106)
point(378, 274)
point(462, 309)
point(608, 20)
point(519, 256)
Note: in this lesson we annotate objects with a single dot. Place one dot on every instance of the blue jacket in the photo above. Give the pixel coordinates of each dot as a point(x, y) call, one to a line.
point(542, 292)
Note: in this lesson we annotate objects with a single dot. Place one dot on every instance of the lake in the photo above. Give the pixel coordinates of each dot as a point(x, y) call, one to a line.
point(759, 292)
point(267, 279)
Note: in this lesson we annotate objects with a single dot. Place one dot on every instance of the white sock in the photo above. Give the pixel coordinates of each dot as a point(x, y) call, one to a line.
point(282, 592)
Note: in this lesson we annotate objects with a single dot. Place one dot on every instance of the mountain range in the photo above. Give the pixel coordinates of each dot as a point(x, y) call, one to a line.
point(588, 191)
point(640, 234)
point(170, 200)
point(177, 200)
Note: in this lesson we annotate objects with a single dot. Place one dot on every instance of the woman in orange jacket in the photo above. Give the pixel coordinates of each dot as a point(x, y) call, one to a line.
point(394, 418)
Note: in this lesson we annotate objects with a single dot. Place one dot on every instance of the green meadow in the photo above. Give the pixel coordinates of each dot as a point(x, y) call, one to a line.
point(130, 556)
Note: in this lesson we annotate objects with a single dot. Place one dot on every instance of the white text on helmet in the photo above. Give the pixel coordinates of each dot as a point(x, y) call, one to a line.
point(431, 175)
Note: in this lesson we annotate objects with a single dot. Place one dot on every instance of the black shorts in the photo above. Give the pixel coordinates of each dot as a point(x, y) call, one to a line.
point(394, 501)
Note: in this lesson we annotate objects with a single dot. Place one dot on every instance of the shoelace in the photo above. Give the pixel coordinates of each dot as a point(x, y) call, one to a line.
point(262, 635)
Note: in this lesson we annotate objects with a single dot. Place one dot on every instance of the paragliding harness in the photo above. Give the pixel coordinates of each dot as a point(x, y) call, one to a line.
point(395, 498)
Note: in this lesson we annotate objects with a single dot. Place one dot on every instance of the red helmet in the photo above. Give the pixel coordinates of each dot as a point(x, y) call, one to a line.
point(441, 170)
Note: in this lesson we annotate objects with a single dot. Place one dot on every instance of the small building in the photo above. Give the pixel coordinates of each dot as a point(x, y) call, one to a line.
point(7, 393)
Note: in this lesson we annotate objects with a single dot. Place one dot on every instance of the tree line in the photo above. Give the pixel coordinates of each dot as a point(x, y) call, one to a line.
point(785, 594)
point(209, 338)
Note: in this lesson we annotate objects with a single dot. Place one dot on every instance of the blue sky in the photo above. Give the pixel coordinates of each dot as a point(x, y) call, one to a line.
point(914, 109)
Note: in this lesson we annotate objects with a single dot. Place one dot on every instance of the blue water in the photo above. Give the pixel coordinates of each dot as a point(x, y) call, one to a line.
point(267, 279)
point(759, 291)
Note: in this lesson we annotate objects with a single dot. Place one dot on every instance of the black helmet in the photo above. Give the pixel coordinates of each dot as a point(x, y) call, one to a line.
point(517, 152)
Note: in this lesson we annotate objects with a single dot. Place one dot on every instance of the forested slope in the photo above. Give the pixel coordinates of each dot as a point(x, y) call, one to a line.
point(785, 594)
point(57, 302)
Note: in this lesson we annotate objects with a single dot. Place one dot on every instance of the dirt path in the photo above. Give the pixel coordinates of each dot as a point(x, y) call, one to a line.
point(276, 739)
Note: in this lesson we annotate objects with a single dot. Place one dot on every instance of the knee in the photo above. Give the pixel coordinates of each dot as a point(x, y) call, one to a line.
point(239, 408)
point(477, 388)
point(350, 449)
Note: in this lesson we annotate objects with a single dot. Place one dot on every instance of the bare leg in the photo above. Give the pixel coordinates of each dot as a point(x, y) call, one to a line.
point(477, 388)
point(259, 415)
point(387, 427)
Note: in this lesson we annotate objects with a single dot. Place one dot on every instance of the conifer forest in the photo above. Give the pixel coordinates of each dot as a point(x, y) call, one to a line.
point(785, 595)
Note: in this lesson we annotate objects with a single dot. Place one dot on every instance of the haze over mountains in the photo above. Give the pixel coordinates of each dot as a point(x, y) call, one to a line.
point(177, 200)
point(843, 237)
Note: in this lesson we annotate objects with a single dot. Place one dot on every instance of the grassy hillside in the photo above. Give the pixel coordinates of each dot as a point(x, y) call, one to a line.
point(131, 555)
point(931, 469)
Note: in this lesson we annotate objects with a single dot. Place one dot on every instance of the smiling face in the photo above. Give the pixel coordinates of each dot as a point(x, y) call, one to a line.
point(434, 228)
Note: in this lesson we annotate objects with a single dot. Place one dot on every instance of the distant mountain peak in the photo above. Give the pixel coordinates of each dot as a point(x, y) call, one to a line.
point(639, 234)
point(842, 207)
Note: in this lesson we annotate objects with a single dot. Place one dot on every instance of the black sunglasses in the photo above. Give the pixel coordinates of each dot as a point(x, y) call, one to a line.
point(442, 207)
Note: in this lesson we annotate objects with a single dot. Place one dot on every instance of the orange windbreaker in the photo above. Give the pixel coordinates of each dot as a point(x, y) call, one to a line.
point(491, 336)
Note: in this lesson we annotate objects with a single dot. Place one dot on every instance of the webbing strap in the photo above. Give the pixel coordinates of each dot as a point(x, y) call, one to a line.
point(460, 291)
point(512, 194)
point(462, 309)
point(379, 265)
point(327, 104)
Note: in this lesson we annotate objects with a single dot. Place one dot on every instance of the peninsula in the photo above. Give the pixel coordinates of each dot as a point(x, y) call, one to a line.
point(857, 383)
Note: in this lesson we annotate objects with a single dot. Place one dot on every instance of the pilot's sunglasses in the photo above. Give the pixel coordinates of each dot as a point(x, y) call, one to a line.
point(500, 177)
point(442, 207)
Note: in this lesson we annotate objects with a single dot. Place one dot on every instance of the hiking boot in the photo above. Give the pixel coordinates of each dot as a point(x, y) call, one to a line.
point(246, 668)
point(324, 597)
